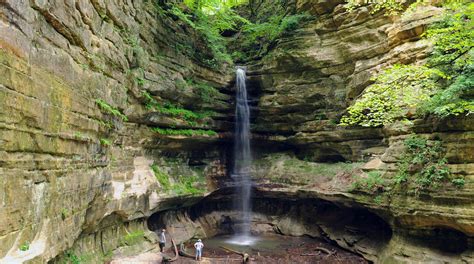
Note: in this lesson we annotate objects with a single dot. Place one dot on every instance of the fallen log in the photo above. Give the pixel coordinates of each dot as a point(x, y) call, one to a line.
point(176, 253)
point(182, 252)
point(245, 256)
point(309, 254)
point(325, 250)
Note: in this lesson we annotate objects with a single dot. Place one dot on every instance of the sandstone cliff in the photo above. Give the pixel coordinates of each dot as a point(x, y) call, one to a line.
point(75, 175)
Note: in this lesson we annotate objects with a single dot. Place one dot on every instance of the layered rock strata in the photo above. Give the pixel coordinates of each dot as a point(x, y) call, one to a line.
point(76, 147)
point(76, 152)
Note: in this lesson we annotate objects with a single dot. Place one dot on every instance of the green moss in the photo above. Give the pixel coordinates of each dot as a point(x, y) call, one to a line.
point(79, 135)
point(287, 169)
point(105, 142)
point(180, 178)
point(108, 109)
point(71, 257)
point(188, 185)
point(65, 213)
point(162, 177)
point(132, 238)
point(378, 199)
point(172, 110)
point(184, 132)
point(258, 38)
point(373, 182)
point(25, 246)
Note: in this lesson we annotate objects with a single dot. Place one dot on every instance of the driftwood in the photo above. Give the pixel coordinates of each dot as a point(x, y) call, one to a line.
point(183, 253)
point(310, 254)
point(245, 256)
point(325, 250)
point(176, 253)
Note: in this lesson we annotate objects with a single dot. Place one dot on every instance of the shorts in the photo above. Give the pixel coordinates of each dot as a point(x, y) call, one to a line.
point(162, 246)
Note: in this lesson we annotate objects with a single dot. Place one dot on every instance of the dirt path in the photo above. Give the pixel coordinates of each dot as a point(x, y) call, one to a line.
point(144, 258)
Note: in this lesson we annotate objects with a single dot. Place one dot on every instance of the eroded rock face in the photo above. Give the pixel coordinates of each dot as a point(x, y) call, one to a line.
point(371, 230)
point(67, 167)
point(311, 76)
point(74, 176)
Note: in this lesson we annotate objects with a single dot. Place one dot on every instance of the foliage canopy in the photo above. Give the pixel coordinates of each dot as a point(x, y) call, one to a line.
point(444, 86)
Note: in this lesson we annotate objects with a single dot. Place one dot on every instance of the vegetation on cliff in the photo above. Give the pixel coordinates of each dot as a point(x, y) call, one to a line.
point(178, 179)
point(443, 86)
point(424, 165)
point(230, 36)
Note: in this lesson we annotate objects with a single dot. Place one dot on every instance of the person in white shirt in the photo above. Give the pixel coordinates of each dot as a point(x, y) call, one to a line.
point(162, 239)
point(198, 246)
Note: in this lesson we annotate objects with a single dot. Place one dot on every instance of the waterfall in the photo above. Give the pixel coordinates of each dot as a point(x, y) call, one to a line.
point(242, 160)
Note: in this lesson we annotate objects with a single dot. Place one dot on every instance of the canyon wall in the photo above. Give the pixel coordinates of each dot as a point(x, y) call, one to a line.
point(304, 86)
point(77, 148)
point(72, 168)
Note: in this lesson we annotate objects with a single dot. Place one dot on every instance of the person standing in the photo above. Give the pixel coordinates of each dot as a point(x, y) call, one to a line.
point(198, 246)
point(162, 241)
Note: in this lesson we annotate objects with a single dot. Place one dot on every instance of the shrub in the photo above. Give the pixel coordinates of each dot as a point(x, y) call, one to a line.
point(373, 182)
point(258, 38)
point(395, 90)
point(422, 164)
point(458, 182)
point(391, 7)
point(441, 87)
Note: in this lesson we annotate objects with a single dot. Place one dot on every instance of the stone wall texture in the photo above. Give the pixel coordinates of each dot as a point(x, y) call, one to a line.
point(74, 176)
point(59, 184)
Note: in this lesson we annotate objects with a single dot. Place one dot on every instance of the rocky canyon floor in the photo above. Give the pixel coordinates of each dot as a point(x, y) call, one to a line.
point(269, 250)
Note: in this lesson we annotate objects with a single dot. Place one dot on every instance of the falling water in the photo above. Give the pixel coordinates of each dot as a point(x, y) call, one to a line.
point(242, 160)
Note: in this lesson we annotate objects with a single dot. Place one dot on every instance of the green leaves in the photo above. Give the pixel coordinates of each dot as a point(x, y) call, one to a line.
point(212, 6)
point(391, 7)
point(172, 110)
point(259, 37)
point(184, 132)
point(453, 38)
point(108, 109)
point(395, 91)
point(162, 177)
point(210, 18)
point(442, 87)
point(423, 164)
